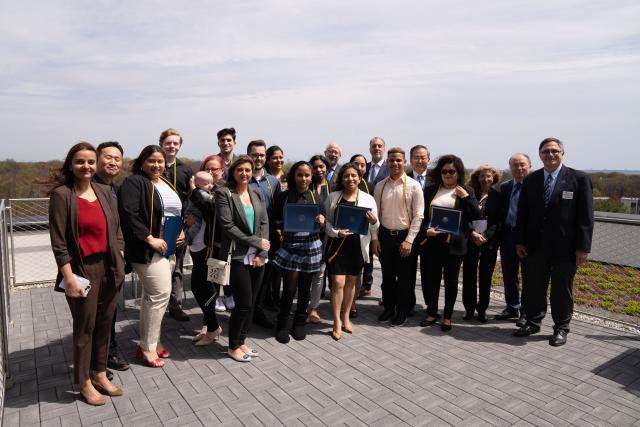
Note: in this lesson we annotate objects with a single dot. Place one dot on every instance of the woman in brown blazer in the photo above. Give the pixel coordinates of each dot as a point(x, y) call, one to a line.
point(86, 241)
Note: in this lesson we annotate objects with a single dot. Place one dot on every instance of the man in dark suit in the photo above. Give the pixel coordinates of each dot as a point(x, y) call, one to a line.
point(553, 236)
point(419, 157)
point(377, 168)
point(520, 166)
point(333, 153)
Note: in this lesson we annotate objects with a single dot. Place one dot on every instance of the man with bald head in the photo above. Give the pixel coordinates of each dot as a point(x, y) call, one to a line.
point(333, 153)
point(520, 166)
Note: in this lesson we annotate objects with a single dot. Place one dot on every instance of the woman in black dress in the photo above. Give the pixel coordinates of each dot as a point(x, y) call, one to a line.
point(346, 251)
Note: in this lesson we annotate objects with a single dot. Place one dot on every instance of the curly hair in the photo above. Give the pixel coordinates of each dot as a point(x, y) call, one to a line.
point(474, 178)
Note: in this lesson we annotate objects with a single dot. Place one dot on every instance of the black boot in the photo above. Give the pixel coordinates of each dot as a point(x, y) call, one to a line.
point(282, 333)
point(298, 331)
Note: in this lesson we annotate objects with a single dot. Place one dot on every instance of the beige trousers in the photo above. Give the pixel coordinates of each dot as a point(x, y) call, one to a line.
point(156, 290)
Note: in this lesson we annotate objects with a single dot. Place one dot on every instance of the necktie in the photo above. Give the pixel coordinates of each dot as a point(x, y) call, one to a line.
point(421, 181)
point(547, 190)
point(513, 205)
point(374, 172)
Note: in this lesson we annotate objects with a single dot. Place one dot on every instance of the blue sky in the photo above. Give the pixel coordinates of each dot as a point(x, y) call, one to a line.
point(478, 79)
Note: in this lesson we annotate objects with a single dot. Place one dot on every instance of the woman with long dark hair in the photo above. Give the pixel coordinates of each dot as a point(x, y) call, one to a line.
point(147, 201)
point(274, 163)
point(300, 255)
point(242, 214)
point(87, 244)
point(482, 251)
point(444, 251)
point(346, 252)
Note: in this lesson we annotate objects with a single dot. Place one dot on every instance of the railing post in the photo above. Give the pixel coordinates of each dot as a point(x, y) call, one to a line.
point(12, 273)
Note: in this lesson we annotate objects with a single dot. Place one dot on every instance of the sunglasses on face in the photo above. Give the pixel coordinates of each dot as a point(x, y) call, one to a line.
point(448, 171)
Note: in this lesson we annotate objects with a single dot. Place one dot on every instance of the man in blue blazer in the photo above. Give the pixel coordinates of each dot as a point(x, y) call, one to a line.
point(553, 236)
point(377, 167)
point(520, 166)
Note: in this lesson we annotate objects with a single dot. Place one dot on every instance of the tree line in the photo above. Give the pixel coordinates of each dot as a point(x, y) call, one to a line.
point(18, 180)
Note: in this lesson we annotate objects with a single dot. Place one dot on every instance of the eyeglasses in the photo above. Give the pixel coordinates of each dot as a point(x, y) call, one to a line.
point(448, 171)
point(552, 152)
point(215, 169)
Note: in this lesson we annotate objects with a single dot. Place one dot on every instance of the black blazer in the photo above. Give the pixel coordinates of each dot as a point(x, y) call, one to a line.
point(134, 206)
point(492, 212)
point(470, 212)
point(566, 225)
point(233, 222)
point(505, 197)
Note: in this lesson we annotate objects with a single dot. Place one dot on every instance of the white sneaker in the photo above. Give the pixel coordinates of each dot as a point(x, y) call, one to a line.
point(220, 307)
point(229, 303)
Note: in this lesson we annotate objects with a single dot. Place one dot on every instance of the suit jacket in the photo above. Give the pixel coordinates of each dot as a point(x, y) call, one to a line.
point(63, 229)
point(492, 212)
point(470, 212)
point(563, 227)
point(235, 227)
point(505, 196)
point(334, 177)
point(382, 174)
point(411, 174)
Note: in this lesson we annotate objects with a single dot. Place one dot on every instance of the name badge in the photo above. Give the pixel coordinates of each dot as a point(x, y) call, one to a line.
point(567, 195)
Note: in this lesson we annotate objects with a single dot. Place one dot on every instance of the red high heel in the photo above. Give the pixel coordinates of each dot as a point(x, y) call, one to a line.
point(164, 354)
point(156, 363)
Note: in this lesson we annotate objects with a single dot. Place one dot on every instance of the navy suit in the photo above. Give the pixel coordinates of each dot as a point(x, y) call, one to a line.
point(552, 235)
point(509, 260)
point(382, 174)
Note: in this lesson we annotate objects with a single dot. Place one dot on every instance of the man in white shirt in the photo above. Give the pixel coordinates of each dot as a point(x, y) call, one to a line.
point(377, 168)
point(333, 153)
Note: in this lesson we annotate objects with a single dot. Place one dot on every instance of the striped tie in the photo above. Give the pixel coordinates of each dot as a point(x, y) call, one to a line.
point(547, 190)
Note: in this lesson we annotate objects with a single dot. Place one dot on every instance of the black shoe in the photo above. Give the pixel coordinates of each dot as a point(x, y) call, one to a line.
point(353, 314)
point(526, 330)
point(263, 320)
point(178, 314)
point(445, 328)
point(298, 332)
point(468, 315)
point(399, 319)
point(115, 362)
point(282, 336)
point(109, 375)
point(482, 317)
point(558, 338)
point(411, 312)
point(507, 314)
point(386, 315)
point(424, 322)
point(522, 321)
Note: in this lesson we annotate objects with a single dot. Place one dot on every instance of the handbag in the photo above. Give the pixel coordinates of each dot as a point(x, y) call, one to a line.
point(218, 270)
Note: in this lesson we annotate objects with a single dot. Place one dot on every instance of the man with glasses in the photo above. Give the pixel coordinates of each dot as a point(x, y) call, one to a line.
point(107, 169)
point(333, 153)
point(270, 186)
point(553, 236)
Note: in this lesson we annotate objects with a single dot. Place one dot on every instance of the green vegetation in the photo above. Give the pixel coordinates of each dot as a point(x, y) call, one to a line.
point(610, 287)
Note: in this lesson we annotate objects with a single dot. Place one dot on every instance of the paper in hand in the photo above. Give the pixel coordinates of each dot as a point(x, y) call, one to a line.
point(84, 284)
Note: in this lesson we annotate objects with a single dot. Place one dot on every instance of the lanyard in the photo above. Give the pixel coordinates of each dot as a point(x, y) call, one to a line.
point(153, 196)
point(326, 185)
point(335, 207)
point(404, 195)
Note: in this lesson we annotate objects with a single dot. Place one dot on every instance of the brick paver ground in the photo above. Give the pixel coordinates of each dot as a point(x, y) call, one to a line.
point(475, 375)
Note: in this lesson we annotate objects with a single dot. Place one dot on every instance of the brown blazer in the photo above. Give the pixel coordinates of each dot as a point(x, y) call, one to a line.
point(63, 229)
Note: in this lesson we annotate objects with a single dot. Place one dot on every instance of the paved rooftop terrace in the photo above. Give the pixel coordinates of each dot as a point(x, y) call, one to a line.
point(475, 375)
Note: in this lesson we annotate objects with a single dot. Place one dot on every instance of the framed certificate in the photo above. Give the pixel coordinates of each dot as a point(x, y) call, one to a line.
point(171, 230)
point(445, 219)
point(352, 218)
point(301, 218)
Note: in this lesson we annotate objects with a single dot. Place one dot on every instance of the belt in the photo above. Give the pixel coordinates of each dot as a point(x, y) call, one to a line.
point(394, 232)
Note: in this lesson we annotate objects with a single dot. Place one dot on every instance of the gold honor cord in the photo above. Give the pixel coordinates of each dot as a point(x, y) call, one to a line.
point(404, 196)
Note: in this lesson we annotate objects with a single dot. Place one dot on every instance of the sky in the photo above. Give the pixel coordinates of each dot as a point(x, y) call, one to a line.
point(481, 80)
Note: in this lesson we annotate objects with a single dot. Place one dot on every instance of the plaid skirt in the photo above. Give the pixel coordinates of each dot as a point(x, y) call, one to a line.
point(300, 252)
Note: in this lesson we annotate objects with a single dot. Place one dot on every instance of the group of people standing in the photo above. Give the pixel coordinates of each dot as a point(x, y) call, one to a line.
point(234, 206)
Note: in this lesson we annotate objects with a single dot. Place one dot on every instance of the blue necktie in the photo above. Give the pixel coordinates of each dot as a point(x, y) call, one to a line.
point(547, 190)
point(421, 181)
point(513, 205)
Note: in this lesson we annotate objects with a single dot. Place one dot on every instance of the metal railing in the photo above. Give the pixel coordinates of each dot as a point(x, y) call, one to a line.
point(5, 314)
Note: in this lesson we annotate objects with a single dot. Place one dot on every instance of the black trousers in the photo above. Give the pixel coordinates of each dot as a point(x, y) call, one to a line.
point(417, 253)
point(177, 285)
point(396, 271)
point(510, 263)
point(245, 281)
point(203, 290)
point(441, 262)
point(292, 281)
point(538, 269)
point(479, 261)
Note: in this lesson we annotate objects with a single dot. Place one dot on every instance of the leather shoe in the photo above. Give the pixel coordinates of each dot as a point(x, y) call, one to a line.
point(482, 317)
point(282, 336)
point(115, 362)
point(386, 315)
point(522, 321)
point(526, 330)
point(558, 338)
point(399, 319)
point(507, 314)
point(178, 314)
point(109, 375)
point(425, 322)
point(468, 315)
point(445, 327)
